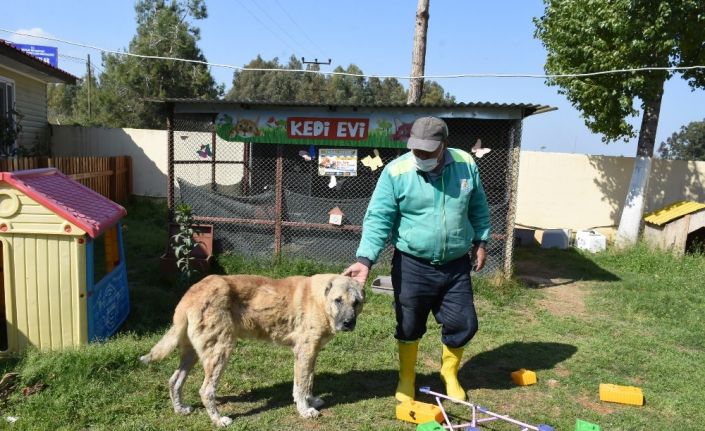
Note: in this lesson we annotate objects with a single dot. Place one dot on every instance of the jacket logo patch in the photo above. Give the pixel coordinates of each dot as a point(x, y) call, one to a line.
point(464, 185)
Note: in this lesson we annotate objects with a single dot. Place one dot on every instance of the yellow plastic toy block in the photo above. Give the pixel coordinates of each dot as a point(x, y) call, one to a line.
point(418, 412)
point(524, 377)
point(621, 394)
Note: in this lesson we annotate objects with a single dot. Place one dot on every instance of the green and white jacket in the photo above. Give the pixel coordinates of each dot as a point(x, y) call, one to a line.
point(435, 220)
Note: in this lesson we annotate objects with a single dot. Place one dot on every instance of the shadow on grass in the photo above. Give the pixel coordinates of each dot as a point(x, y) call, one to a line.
point(539, 267)
point(492, 369)
point(332, 388)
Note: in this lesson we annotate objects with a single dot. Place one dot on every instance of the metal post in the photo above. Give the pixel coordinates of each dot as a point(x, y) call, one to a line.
point(245, 183)
point(170, 161)
point(278, 201)
point(515, 137)
point(213, 140)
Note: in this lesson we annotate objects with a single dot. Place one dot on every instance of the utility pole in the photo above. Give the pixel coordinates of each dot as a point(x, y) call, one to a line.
point(418, 55)
point(88, 66)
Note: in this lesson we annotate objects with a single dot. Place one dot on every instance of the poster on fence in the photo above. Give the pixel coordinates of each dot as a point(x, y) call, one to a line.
point(341, 162)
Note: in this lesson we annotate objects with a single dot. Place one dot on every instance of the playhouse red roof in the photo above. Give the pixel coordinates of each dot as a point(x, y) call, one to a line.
point(68, 198)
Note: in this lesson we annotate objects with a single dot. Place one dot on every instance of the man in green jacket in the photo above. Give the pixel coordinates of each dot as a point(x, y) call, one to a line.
point(431, 204)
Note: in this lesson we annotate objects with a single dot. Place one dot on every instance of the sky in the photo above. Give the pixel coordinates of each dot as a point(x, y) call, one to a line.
point(464, 36)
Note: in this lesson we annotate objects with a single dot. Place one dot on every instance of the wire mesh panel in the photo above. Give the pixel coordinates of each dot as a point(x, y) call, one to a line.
point(268, 199)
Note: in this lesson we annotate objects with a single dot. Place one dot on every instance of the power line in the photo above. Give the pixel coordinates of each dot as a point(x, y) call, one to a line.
point(283, 30)
point(300, 28)
point(363, 75)
point(254, 15)
point(72, 59)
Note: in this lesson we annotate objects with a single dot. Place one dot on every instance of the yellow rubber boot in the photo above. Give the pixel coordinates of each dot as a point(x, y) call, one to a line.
point(407, 371)
point(449, 372)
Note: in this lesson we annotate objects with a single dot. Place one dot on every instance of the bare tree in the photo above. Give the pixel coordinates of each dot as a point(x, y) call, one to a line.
point(418, 55)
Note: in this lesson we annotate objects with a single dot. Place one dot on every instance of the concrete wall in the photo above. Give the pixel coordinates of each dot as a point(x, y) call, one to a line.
point(146, 147)
point(556, 190)
point(577, 191)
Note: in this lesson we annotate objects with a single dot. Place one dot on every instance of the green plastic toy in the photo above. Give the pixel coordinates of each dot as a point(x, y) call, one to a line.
point(581, 425)
point(430, 426)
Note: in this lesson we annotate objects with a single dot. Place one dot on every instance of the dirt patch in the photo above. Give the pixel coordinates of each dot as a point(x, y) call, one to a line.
point(595, 406)
point(565, 300)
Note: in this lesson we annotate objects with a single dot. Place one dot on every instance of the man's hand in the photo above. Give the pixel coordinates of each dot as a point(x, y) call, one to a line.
point(478, 256)
point(358, 271)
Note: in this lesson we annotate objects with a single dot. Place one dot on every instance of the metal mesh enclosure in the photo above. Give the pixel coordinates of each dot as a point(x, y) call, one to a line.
point(268, 199)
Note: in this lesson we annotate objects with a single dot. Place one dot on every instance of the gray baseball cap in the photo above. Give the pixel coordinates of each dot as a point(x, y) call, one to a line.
point(427, 134)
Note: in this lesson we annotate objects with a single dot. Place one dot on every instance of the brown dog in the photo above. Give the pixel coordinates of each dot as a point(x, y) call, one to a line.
point(301, 312)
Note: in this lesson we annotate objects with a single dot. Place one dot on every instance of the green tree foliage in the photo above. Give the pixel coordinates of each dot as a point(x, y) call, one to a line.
point(163, 29)
point(60, 100)
point(592, 36)
point(687, 144)
point(74, 104)
point(343, 87)
point(433, 93)
point(269, 85)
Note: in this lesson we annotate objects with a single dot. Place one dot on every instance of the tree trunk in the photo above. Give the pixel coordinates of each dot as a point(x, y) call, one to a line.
point(418, 55)
point(633, 209)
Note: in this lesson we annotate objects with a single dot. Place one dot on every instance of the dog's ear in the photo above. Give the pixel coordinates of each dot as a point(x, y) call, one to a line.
point(329, 286)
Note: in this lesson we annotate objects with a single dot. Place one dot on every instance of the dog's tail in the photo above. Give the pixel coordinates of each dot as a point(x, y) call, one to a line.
point(168, 342)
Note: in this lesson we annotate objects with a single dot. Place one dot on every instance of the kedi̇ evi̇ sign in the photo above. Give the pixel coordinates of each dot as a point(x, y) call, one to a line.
point(327, 128)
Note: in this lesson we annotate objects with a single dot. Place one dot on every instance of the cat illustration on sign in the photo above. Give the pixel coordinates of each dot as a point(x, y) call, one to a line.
point(245, 128)
point(403, 130)
point(205, 151)
point(478, 150)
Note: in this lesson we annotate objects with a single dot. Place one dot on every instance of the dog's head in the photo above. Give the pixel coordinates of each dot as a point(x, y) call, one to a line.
point(343, 299)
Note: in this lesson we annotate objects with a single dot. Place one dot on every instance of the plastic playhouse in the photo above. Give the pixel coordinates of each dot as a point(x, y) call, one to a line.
point(63, 277)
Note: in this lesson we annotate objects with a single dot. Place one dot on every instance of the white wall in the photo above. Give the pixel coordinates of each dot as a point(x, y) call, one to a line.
point(577, 191)
point(148, 149)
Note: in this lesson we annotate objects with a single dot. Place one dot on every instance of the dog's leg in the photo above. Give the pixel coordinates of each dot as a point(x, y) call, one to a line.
point(176, 382)
point(214, 360)
point(306, 403)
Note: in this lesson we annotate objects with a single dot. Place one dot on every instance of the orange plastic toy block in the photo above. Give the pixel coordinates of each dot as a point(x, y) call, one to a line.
point(621, 394)
point(524, 377)
point(418, 412)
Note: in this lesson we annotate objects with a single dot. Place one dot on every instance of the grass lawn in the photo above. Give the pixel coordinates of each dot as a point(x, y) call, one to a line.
point(630, 318)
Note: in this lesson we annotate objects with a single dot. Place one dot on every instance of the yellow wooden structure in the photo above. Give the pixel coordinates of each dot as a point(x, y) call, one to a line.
point(48, 224)
point(676, 227)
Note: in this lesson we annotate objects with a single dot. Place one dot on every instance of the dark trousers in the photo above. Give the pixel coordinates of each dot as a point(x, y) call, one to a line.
point(445, 290)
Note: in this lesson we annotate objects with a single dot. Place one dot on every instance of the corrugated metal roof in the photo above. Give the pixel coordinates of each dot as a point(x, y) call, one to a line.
point(529, 108)
point(34, 64)
point(672, 212)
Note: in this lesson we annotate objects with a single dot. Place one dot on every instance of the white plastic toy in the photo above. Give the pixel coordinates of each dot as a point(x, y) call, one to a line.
point(479, 415)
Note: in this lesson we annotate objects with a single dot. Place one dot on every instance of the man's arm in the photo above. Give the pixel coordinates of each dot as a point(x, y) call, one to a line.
point(479, 210)
point(382, 213)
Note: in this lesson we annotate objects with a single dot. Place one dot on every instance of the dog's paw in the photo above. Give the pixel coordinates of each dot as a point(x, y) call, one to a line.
point(309, 413)
point(223, 421)
point(184, 410)
point(146, 359)
point(315, 402)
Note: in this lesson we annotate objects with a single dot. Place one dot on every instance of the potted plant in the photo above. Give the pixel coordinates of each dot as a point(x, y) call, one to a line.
point(190, 245)
point(10, 129)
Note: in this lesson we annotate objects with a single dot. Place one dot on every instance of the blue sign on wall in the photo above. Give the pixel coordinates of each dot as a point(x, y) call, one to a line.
point(48, 54)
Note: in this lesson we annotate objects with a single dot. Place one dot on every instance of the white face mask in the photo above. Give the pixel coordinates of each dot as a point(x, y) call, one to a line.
point(426, 165)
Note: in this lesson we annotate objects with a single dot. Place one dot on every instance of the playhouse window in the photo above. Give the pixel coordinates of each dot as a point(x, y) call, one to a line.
point(106, 254)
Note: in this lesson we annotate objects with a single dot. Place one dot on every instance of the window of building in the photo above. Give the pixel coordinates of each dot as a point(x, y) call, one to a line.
point(7, 96)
